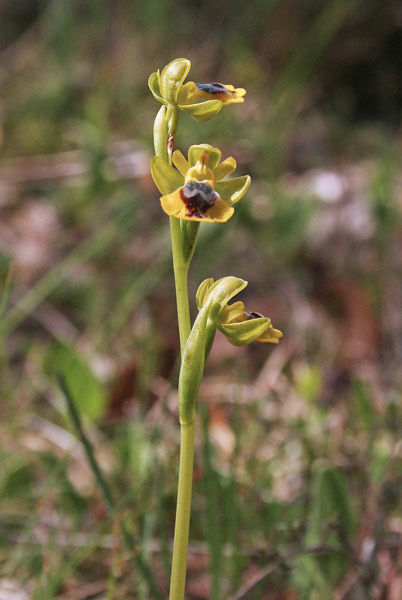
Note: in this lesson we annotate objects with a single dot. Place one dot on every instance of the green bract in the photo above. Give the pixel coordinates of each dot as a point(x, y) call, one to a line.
point(215, 297)
point(192, 368)
point(161, 132)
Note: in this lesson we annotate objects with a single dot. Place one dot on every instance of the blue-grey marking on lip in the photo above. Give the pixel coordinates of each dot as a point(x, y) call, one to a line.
point(198, 198)
point(213, 88)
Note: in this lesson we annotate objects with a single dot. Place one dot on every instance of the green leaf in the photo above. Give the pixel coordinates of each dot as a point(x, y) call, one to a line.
point(364, 404)
point(330, 502)
point(16, 479)
point(6, 290)
point(231, 190)
point(204, 110)
point(330, 523)
point(166, 178)
point(88, 393)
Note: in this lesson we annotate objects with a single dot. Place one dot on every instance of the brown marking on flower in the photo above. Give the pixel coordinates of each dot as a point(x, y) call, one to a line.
point(170, 142)
point(254, 315)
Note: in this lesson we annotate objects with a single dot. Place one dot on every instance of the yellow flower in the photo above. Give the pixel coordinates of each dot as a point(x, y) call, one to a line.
point(195, 191)
point(227, 93)
point(234, 322)
point(168, 87)
point(239, 326)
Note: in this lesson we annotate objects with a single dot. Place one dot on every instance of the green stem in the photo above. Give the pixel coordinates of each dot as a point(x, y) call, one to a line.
point(180, 269)
point(182, 525)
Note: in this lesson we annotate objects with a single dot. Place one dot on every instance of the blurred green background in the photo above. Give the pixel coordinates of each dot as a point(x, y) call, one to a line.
point(297, 490)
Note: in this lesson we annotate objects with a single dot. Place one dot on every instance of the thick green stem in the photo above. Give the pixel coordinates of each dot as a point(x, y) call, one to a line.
point(182, 525)
point(183, 243)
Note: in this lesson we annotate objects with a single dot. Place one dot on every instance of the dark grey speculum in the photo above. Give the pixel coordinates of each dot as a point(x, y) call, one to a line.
point(254, 315)
point(212, 88)
point(198, 198)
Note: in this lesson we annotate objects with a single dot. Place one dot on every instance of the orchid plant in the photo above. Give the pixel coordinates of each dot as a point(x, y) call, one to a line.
point(197, 189)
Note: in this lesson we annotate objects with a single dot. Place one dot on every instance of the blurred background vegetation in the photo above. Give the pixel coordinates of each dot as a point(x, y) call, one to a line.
point(297, 491)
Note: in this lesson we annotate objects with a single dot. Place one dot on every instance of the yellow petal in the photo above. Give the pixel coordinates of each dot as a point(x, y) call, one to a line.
point(238, 91)
point(221, 212)
point(236, 95)
point(226, 167)
point(172, 204)
point(180, 162)
point(186, 92)
point(232, 101)
point(231, 312)
point(271, 336)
